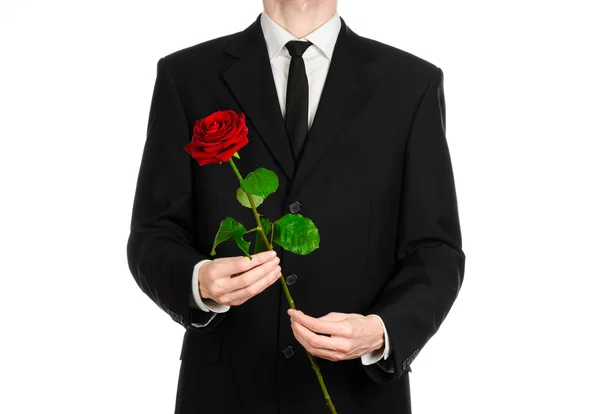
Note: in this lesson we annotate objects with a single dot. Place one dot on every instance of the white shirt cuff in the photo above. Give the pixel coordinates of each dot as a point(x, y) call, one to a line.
point(207, 305)
point(384, 352)
point(202, 325)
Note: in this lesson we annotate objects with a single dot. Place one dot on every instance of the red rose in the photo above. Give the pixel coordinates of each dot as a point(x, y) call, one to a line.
point(217, 137)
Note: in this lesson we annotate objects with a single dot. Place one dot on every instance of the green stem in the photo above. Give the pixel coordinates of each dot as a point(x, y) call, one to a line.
point(286, 291)
point(251, 201)
point(235, 170)
point(322, 383)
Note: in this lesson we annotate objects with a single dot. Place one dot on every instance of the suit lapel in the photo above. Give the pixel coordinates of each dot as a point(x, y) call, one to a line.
point(345, 91)
point(250, 80)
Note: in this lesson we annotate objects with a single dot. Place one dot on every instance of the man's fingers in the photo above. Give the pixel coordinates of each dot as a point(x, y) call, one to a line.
point(332, 343)
point(241, 264)
point(239, 296)
point(300, 334)
point(251, 276)
point(320, 325)
point(255, 275)
point(334, 317)
point(319, 345)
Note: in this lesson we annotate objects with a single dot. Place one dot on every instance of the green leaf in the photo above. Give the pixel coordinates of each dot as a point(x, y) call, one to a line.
point(259, 244)
point(241, 196)
point(230, 229)
point(296, 234)
point(236, 155)
point(260, 182)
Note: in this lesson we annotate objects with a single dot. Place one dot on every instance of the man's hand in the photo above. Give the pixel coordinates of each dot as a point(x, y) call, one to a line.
point(232, 281)
point(350, 335)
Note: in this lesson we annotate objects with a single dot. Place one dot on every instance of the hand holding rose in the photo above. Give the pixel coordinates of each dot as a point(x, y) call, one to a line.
point(232, 281)
point(351, 335)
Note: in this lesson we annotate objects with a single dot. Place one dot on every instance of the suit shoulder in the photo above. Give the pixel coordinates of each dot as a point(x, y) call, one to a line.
point(200, 52)
point(401, 59)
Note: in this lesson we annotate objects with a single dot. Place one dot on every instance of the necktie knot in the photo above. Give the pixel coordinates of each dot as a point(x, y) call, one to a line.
point(297, 47)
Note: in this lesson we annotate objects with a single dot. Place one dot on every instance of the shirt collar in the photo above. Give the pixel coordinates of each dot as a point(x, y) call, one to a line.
point(323, 38)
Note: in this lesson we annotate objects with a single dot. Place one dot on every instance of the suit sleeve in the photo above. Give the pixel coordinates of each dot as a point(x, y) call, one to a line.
point(162, 247)
point(429, 258)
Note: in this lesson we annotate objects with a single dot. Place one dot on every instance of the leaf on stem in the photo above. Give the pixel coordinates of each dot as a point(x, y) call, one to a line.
point(296, 234)
point(260, 182)
point(231, 229)
point(241, 196)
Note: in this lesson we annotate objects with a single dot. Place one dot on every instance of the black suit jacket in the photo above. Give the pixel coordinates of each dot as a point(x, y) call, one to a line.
point(375, 177)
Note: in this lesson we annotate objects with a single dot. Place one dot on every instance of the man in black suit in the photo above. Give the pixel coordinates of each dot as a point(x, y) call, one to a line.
point(355, 131)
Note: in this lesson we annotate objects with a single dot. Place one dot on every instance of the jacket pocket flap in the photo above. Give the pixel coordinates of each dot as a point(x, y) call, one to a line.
point(205, 346)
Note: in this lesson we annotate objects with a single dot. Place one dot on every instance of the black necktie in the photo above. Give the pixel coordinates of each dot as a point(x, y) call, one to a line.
point(296, 102)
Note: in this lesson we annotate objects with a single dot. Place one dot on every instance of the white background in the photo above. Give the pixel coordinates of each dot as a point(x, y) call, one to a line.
point(522, 96)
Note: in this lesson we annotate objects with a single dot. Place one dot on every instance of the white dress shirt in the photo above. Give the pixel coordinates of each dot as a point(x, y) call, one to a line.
point(317, 58)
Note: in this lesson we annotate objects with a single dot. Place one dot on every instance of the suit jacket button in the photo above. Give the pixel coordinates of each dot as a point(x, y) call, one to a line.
point(288, 352)
point(291, 279)
point(294, 207)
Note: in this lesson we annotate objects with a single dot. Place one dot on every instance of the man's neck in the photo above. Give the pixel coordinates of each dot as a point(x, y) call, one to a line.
point(300, 19)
